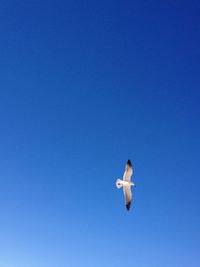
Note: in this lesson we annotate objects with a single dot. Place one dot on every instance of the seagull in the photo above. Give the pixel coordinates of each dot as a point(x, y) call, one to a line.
point(126, 184)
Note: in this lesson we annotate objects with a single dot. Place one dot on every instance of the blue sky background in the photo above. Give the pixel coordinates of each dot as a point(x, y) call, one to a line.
point(85, 85)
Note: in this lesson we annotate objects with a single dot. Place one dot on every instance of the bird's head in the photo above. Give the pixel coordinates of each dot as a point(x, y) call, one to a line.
point(119, 183)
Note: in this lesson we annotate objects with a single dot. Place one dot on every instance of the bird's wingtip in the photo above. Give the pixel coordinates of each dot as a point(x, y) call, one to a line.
point(128, 205)
point(129, 162)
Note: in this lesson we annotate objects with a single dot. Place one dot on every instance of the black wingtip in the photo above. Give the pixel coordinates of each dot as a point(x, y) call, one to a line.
point(128, 205)
point(129, 162)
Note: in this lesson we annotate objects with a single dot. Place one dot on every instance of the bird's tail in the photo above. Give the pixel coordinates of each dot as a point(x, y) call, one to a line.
point(119, 183)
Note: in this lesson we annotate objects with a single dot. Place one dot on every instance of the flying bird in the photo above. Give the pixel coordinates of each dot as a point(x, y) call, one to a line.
point(126, 184)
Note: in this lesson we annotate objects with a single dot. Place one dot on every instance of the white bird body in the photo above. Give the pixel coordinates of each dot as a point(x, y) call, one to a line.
point(120, 183)
point(126, 184)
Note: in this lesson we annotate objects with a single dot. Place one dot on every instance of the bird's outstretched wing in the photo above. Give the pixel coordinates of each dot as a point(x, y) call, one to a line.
point(128, 171)
point(128, 196)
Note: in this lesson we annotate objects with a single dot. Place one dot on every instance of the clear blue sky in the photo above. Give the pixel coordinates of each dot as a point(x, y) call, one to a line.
point(85, 85)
